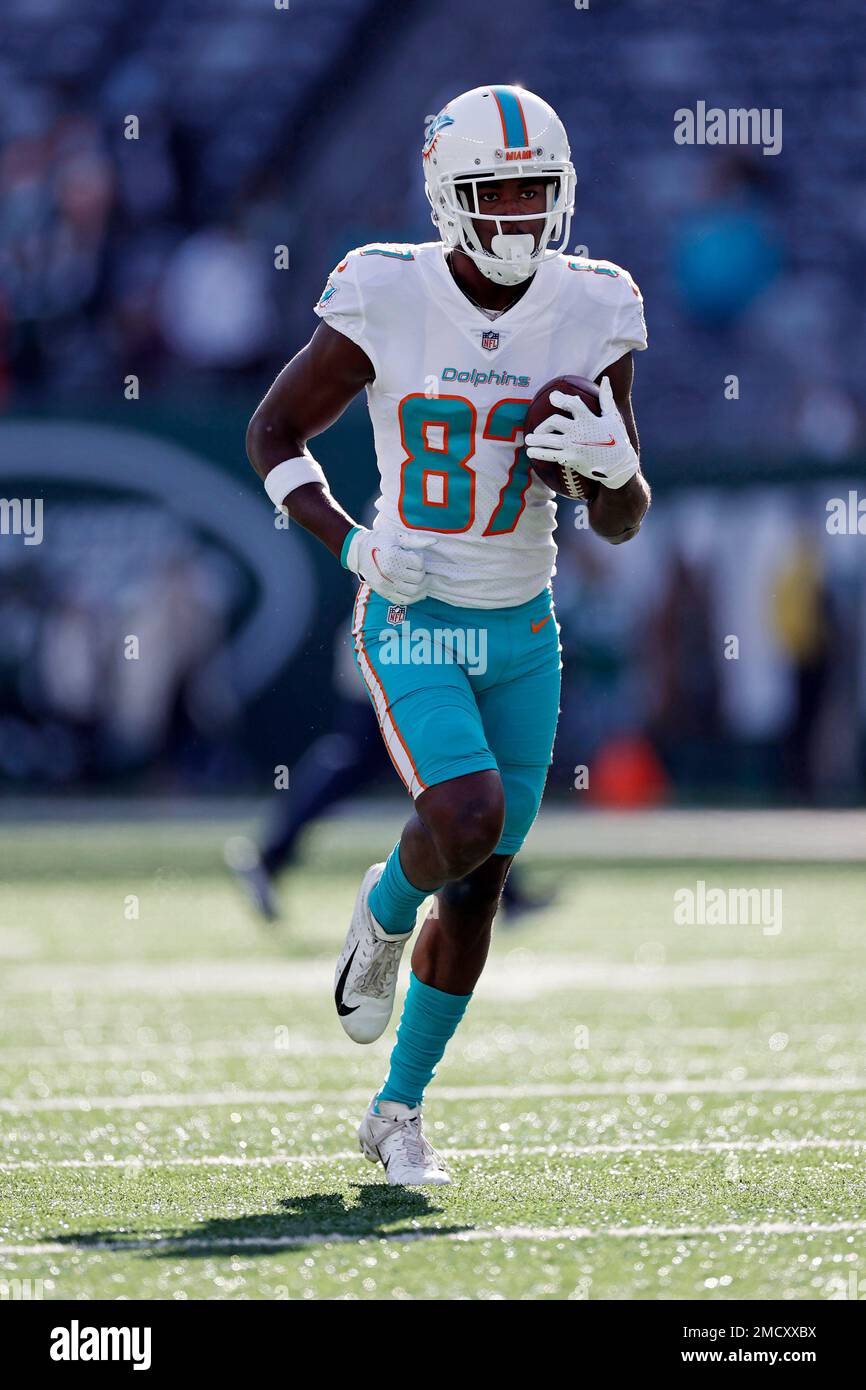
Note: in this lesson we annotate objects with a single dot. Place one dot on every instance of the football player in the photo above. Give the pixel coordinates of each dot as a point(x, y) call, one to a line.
point(454, 629)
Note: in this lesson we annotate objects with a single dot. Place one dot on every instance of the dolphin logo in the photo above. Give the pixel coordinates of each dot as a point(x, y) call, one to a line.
point(436, 124)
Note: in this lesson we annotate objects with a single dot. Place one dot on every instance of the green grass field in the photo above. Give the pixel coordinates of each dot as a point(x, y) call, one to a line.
point(632, 1109)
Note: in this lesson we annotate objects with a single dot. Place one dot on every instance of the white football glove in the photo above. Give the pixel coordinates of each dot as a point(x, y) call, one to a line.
point(391, 563)
point(597, 446)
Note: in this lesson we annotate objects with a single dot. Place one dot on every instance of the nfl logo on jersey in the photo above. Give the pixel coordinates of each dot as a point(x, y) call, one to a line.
point(397, 614)
point(490, 340)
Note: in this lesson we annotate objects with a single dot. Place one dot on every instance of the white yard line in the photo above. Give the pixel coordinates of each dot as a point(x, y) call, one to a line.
point(540, 1234)
point(216, 1049)
point(783, 1085)
point(308, 1044)
point(133, 1164)
point(563, 834)
point(520, 974)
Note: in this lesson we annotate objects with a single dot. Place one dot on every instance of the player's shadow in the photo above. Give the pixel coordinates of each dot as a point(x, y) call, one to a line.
point(379, 1212)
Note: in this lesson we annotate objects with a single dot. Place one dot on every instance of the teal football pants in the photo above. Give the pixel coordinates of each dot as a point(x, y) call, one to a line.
point(459, 690)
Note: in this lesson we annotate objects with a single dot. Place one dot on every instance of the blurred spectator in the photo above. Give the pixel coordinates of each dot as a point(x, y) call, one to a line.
point(727, 254)
point(684, 715)
point(215, 307)
point(68, 667)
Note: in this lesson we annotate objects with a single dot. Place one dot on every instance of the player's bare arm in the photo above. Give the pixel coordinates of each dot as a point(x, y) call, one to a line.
point(310, 393)
point(617, 514)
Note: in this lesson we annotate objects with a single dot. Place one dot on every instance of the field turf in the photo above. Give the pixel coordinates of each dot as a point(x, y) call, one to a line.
point(632, 1109)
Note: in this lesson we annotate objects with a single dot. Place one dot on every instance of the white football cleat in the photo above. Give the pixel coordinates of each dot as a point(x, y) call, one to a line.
point(392, 1135)
point(365, 979)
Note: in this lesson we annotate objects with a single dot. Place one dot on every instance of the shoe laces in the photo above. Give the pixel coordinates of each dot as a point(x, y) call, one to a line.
point(414, 1145)
point(378, 976)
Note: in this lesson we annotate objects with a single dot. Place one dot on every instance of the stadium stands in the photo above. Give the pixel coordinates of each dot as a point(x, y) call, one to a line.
point(262, 126)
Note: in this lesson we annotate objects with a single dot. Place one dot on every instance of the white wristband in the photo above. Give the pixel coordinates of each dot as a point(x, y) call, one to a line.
point(292, 473)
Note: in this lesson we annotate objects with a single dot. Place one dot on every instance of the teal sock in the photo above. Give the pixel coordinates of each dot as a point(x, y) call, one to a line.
point(430, 1018)
point(395, 901)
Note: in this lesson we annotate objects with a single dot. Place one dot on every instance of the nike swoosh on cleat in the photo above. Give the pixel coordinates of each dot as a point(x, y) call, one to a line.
point(536, 627)
point(344, 1009)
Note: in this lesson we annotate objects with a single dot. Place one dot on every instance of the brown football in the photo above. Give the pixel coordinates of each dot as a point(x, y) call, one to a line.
point(566, 482)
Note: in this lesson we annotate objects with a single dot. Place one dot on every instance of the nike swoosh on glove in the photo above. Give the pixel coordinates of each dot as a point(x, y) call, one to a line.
point(392, 564)
point(597, 446)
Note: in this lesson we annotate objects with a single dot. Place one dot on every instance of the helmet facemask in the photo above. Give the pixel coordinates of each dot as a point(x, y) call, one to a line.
point(514, 256)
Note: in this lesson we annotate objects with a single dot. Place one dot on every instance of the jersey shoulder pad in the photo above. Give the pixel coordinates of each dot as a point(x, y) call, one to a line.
point(363, 293)
point(602, 280)
point(386, 250)
point(378, 261)
point(362, 270)
point(615, 301)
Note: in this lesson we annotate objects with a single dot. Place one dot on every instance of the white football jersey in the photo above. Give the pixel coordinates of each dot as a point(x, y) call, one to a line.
point(450, 393)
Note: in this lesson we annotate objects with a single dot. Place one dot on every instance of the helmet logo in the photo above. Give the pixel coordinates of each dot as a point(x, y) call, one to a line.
point(436, 124)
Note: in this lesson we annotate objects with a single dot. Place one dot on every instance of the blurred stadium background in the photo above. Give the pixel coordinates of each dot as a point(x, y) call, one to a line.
point(687, 1100)
point(155, 257)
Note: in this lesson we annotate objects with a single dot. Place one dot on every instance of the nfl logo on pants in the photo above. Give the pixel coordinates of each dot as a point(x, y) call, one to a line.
point(397, 614)
point(490, 340)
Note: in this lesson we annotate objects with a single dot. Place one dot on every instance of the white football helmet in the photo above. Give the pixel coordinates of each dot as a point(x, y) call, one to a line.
point(498, 133)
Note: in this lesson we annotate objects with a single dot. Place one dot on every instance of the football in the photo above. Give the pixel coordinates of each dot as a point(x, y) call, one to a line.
point(566, 482)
